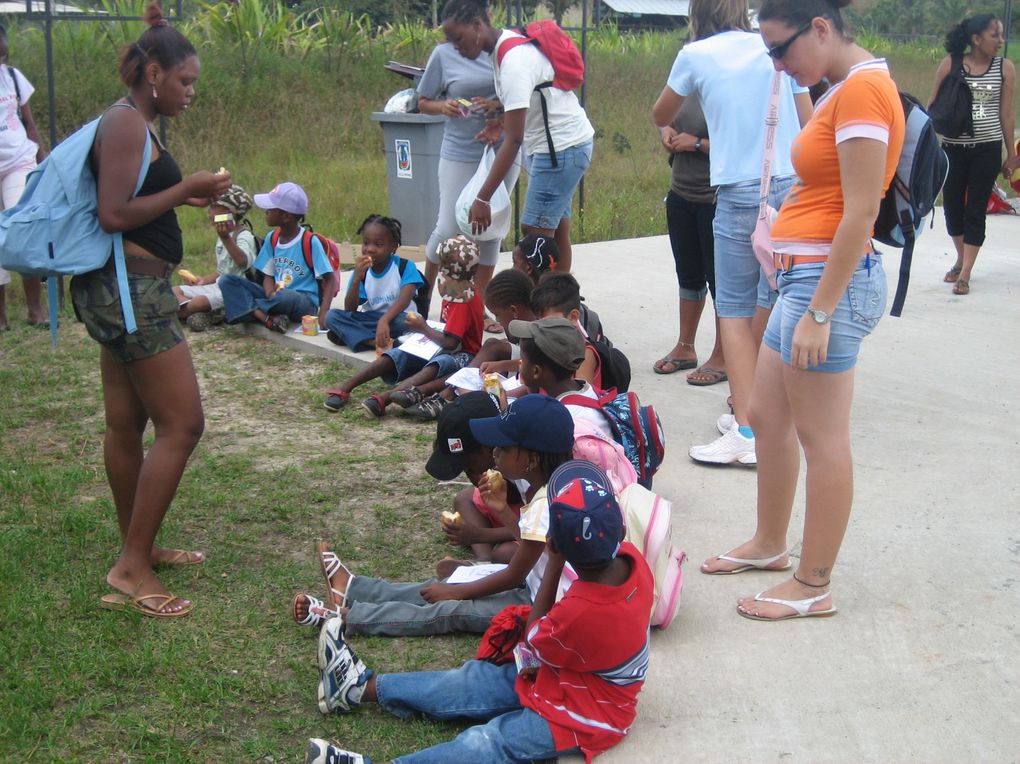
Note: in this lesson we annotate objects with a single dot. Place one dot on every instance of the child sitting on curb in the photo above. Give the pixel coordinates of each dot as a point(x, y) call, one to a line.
point(534, 438)
point(535, 255)
point(235, 253)
point(290, 286)
point(551, 352)
point(559, 294)
point(459, 340)
point(508, 297)
point(380, 291)
point(588, 652)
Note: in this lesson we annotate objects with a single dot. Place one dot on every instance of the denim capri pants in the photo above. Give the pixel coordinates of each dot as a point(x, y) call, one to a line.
point(857, 313)
point(407, 364)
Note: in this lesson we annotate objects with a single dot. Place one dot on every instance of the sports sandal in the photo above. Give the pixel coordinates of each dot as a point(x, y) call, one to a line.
point(278, 323)
point(118, 601)
point(317, 613)
point(801, 608)
point(952, 274)
point(746, 564)
point(374, 406)
point(331, 565)
point(336, 399)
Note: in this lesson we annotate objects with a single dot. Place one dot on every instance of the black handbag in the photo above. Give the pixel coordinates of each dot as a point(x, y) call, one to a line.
point(950, 112)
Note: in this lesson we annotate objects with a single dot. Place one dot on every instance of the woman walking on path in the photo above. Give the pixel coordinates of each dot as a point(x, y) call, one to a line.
point(729, 69)
point(832, 293)
point(690, 210)
point(976, 158)
point(450, 79)
point(551, 181)
point(20, 151)
point(147, 375)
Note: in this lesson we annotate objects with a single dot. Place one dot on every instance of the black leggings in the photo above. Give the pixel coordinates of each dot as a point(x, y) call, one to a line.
point(693, 244)
point(972, 172)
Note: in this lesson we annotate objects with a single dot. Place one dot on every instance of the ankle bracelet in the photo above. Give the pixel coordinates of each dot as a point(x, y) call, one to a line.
point(810, 586)
point(683, 344)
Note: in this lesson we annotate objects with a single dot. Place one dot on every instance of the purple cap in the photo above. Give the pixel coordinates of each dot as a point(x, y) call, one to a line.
point(585, 519)
point(287, 196)
point(535, 422)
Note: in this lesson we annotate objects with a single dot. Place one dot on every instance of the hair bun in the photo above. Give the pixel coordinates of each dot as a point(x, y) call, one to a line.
point(154, 15)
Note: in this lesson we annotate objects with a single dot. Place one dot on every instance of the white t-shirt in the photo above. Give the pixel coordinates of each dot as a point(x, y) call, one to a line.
point(594, 417)
point(16, 149)
point(731, 74)
point(522, 70)
point(534, 525)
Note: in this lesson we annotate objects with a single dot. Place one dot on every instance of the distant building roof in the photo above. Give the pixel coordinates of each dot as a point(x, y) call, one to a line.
point(650, 7)
point(38, 6)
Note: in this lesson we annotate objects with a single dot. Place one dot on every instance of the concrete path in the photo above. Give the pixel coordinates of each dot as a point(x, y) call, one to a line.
point(922, 663)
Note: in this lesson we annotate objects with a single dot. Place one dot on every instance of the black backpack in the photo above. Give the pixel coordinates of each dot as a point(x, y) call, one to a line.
point(421, 296)
point(613, 364)
point(950, 112)
point(912, 193)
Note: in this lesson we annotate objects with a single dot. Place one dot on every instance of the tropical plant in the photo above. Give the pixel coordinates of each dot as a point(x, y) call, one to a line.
point(251, 26)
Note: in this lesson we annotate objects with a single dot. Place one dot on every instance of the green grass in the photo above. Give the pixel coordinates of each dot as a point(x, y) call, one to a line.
point(235, 680)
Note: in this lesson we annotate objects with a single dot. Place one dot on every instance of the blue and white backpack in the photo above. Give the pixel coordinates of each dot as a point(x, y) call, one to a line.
point(54, 228)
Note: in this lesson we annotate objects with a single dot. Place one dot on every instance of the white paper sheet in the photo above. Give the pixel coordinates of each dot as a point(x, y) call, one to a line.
point(468, 573)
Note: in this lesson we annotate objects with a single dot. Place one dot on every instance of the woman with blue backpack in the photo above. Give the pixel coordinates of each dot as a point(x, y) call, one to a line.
point(147, 374)
point(832, 293)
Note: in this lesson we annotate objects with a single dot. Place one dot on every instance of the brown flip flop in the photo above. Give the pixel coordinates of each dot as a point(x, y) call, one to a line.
point(715, 376)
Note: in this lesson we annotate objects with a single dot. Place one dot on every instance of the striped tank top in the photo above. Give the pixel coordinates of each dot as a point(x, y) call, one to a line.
point(986, 95)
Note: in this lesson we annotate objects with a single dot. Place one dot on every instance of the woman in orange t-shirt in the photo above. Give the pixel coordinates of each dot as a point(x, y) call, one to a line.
point(832, 292)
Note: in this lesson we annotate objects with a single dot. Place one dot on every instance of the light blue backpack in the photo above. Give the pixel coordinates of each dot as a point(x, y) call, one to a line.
point(54, 228)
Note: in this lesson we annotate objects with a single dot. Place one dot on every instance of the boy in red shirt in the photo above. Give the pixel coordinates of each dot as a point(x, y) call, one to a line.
point(591, 651)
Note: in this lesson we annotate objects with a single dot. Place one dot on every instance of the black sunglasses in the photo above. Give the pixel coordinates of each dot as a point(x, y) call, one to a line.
point(776, 52)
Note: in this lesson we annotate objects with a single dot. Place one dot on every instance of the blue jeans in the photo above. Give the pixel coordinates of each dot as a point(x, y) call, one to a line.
point(740, 283)
point(386, 609)
point(408, 364)
point(478, 691)
point(856, 315)
point(242, 297)
point(355, 328)
point(551, 189)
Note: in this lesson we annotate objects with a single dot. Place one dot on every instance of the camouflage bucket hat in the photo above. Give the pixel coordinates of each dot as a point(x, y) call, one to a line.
point(235, 199)
point(458, 259)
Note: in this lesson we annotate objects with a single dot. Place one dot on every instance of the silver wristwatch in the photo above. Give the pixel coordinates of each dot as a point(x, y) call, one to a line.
point(819, 316)
point(697, 145)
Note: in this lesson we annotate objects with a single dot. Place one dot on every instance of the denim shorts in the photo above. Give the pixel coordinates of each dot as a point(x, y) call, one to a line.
point(858, 312)
point(96, 301)
point(740, 284)
point(408, 364)
point(551, 189)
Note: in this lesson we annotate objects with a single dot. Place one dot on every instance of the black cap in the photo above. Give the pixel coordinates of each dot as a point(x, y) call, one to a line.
point(454, 439)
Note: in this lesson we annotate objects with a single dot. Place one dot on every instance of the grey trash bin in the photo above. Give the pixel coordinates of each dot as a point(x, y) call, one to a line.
point(412, 143)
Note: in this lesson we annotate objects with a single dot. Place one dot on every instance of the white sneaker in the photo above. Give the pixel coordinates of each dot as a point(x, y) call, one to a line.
point(731, 448)
point(725, 423)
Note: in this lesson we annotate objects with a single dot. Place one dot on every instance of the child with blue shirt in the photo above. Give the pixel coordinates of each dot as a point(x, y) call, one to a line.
point(291, 284)
point(380, 292)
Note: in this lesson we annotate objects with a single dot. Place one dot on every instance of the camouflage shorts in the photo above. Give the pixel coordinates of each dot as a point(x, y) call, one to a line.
point(97, 304)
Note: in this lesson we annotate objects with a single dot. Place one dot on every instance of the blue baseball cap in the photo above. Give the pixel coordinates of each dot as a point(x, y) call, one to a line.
point(535, 422)
point(585, 519)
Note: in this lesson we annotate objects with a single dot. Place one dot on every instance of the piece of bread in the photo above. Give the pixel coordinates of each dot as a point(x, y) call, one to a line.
point(187, 275)
point(496, 481)
point(452, 518)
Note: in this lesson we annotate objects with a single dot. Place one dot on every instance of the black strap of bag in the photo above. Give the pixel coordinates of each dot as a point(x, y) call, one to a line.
point(17, 93)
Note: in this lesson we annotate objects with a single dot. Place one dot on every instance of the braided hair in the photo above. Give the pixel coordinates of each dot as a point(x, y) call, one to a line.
point(390, 224)
point(506, 288)
point(160, 43)
point(465, 11)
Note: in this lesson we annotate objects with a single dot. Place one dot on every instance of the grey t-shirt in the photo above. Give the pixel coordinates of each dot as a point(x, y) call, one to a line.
point(690, 168)
point(449, 75)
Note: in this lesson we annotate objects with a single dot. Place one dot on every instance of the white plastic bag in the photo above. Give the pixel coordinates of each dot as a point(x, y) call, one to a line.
point(402, 102)
point(499, 204)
